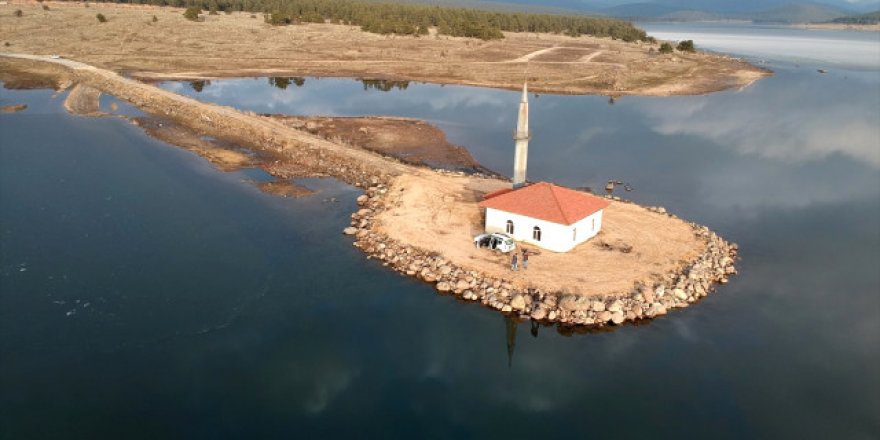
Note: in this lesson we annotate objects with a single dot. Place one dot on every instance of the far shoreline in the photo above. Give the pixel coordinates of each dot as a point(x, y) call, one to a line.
point(839, 27)
point(235, 45)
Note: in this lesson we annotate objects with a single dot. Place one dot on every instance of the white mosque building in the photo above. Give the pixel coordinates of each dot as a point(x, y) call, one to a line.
point(549, 216)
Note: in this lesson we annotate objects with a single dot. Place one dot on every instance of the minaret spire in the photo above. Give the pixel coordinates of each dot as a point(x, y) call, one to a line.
point(521, 137)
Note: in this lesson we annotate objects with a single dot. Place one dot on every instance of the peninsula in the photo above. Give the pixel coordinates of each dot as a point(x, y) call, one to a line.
point(634, 263)
point(420, 221)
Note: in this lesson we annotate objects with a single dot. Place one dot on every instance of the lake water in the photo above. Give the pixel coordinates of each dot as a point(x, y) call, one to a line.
point(146, 294)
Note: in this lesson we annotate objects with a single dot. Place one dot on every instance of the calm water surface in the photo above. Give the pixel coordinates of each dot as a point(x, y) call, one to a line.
point(146, 294)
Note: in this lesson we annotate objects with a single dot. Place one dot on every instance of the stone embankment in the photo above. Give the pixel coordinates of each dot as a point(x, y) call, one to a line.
point(680, 289)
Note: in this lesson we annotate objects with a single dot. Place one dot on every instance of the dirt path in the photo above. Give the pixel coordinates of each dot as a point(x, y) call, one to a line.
point(531, 55)
point(591, 57)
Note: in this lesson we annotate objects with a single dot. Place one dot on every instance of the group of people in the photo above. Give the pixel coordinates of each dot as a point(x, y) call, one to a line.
point(514, 262)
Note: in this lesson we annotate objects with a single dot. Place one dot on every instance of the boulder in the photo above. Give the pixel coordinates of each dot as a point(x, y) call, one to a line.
point(539, 314)
point(615, 306)
point(648, 295)
point(362, 199)
point(518, 302)
point(443, 286)
point(660, 291)
point(617, 317)
point(603, 317)
point(462, 285)
point(597, 306)
point(350, 230)
point(574, 303)
point(680, 294)
point(656, 309)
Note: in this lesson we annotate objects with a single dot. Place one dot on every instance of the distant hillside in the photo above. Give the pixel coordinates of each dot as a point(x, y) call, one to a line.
point(794, 13)
point(491, 5)
point(407, 18)
point(800, 13)
point(638, 10)
point(869, 18)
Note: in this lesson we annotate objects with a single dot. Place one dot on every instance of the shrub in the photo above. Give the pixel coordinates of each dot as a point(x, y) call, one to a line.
point(686, 46)
point(101, 18)
point(45, 7)
point(665, 48)
point(18, 13)
point(192, 13)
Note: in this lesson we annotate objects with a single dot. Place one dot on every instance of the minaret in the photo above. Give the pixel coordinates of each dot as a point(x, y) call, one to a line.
point(521, 136)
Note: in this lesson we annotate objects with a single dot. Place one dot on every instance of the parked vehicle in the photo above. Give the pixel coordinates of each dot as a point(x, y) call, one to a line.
point(495, 241)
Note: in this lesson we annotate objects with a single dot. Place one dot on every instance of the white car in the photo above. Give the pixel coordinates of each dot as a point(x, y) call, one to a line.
point(496, 240)
point(55, 57)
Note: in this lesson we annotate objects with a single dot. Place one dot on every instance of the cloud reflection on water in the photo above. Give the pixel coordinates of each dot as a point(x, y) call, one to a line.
point(794, 121)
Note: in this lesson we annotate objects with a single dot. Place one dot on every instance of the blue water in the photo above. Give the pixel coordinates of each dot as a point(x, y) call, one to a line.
point(218, 311)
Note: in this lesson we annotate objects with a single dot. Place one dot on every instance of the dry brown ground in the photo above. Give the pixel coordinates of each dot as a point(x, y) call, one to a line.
point(440, 212)
point(410, 140)
point(224, 155)
point(14, 108)
point(83, 100)
point(237, 45)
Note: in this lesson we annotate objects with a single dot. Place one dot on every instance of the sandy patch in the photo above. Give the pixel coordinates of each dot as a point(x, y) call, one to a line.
point(440, 212)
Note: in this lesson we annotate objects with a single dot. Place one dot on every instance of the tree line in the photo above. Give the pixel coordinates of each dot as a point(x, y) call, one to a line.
point(415, 19)
point(869, 18)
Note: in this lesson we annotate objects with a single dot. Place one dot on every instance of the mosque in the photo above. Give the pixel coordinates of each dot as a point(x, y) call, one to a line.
point(546, 215)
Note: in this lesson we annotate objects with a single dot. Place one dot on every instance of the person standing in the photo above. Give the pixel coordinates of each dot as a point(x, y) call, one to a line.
point(525, 259)
point(513, 262)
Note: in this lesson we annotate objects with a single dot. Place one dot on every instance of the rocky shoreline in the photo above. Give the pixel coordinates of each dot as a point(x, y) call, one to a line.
point(681, 288)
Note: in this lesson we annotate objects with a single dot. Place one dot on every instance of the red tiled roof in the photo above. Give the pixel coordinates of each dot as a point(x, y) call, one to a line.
point(546, 201)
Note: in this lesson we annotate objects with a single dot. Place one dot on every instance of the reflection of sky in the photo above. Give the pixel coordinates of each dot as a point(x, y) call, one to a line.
point(852, 49)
